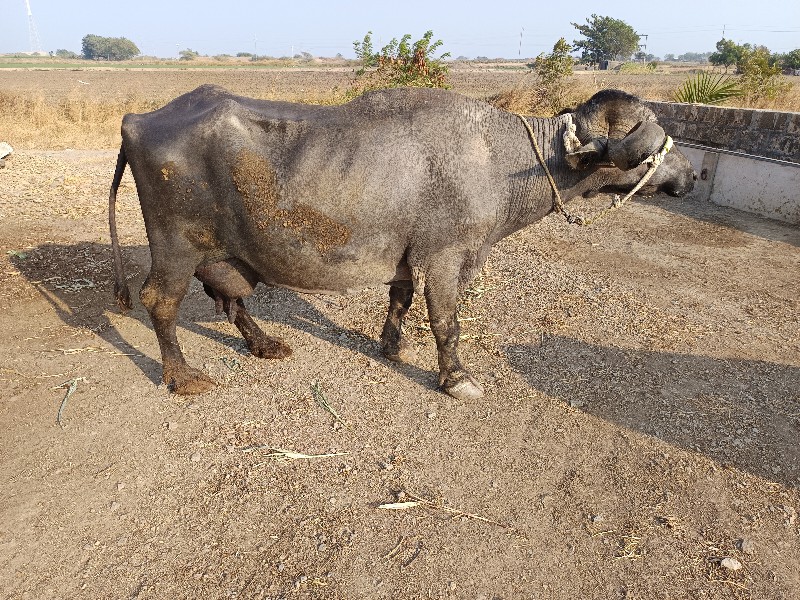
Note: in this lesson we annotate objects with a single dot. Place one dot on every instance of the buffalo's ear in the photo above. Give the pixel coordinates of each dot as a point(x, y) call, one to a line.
point(588, 154)
point(643, 140)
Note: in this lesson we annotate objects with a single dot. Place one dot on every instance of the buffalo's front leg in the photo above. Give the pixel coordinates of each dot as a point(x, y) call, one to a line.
point(441, 295)
point(161, 295)
point(395, 346)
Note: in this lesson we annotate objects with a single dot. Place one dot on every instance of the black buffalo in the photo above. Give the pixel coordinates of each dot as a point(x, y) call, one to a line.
point(405, 187)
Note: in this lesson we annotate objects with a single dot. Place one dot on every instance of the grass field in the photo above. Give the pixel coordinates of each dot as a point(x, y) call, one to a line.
point(53, 105)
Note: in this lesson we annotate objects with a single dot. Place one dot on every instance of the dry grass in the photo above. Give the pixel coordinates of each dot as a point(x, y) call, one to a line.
point(30, 120)
point(53, 110)
point(527, 98)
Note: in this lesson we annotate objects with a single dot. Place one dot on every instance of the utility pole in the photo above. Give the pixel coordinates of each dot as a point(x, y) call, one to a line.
point(33, 33)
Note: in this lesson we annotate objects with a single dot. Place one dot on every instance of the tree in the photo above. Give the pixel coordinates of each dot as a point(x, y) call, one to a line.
point(728, 53)
point(96, 47)
point(606, 39)
point(705, 88)
point(791, 60)
point(694, 57)
point(61, 53)
point(188, 54)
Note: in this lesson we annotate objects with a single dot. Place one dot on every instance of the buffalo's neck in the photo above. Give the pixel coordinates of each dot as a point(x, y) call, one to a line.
point(532, 195)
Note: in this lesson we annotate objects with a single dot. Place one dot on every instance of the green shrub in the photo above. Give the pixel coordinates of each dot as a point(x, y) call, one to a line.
point(760, 75)
point(399, 64)
point(552, 71)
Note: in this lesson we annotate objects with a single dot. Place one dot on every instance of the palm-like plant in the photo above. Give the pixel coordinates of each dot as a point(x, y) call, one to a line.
point(705, 88)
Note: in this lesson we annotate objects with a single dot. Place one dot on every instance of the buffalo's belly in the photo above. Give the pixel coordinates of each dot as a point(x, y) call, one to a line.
point(328, 279)
point(305, 270)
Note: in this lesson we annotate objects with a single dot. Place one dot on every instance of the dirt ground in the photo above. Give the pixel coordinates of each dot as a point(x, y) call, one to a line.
point(638, 438)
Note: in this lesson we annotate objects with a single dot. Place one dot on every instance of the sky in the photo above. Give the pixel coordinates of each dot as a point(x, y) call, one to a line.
point(499, 29)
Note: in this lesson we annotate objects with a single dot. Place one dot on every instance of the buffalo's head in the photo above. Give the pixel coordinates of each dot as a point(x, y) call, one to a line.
point(617, 133)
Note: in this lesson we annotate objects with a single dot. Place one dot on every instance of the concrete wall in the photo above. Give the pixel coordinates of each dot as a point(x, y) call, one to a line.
point(766, 133)
point(769, 188)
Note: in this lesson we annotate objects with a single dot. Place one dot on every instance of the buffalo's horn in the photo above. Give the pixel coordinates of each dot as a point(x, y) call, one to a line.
point(642, 141)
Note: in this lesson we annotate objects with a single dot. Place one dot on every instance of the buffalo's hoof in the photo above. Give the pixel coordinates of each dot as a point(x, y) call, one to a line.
point(466, 388)
point(188, 381)
point(403, 353)
point(269, 347)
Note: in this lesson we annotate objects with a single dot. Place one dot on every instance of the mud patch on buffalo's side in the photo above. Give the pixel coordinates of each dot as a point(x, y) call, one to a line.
point(168, 171)
point(257, 182)
point(176, 184)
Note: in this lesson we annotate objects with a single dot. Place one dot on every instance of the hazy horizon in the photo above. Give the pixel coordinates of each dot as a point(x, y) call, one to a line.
point(510, 29)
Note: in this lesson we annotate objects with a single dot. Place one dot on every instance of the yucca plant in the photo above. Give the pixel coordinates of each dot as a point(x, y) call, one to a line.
point(705, 88)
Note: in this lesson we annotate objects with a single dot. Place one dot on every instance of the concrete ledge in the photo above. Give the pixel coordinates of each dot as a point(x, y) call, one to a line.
point(767, 133)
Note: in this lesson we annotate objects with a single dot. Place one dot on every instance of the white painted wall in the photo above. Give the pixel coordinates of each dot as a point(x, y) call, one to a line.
point(765, 188)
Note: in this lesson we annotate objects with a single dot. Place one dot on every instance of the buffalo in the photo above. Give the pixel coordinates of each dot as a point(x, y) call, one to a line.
point(408, 187)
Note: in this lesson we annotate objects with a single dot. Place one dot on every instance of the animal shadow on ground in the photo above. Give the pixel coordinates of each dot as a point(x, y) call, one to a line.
point(77, 281)
point(741, 413)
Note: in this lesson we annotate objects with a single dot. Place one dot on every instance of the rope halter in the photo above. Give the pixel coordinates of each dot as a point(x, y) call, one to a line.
point(571, 144)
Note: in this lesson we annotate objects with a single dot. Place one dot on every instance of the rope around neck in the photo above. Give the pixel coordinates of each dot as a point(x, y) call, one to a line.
point(572, 143)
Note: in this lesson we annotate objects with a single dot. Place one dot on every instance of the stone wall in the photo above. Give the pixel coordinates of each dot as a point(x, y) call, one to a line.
point(767, 133)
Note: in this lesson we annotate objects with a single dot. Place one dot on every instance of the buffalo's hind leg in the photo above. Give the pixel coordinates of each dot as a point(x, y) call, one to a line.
point(227, 282)
point(395, 347)
point(161, 295)
point(259, 343)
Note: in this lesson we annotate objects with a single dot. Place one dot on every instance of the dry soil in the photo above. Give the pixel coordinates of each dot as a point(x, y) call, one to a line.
point(638, 438)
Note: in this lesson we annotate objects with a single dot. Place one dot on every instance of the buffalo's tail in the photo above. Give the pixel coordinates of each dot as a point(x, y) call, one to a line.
point(121, 291)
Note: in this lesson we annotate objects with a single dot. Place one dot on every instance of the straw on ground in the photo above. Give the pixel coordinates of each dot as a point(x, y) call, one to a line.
point(283, 454)
point(434, 505)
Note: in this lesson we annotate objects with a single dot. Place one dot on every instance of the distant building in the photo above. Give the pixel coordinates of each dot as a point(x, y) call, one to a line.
point(610, 65)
